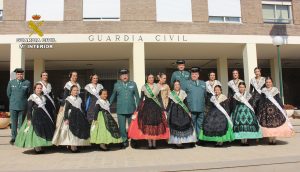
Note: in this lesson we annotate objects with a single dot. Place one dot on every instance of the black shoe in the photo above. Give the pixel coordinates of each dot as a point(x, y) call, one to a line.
point(133, 144)
point(179, 147)
point(153, 147)
point(12, 141)
point(272, 143)
point(39, 152)
point(125, 145)
point(192, 145)
point(75, 151)
point(245, 144)
point(199, 143)
point(150, 147)
point(218, 146)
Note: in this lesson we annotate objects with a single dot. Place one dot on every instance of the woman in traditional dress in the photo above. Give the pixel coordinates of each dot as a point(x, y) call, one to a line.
point(73, 81)
point(180, 121)
point(74, 130)
point(91, 96)
point(38, 128)
point(217, 124)
point(210, 85)
point(271, 114)
point(150, 122)
point(245, 124)
point(47, 92)
point(233, 87)
point(164, 89)
point(104, 128)
point(256, 85)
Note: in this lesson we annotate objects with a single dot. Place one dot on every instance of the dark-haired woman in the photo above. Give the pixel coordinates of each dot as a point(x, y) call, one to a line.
point(271, 114)
point(38, 128)
point(233, 87)
point(104, 129)
point(73, 81)
point(210, 85)
point(47, 92)
point(150, 122)
point(256, 85)
point(74, 130)
point(91, 96)
point(245, 124)
point(180, 121)
point(217, 124)
point(164, 89)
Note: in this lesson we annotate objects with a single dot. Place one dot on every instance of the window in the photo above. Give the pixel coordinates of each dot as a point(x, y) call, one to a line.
point(101, 10)
point(49, 10)
point(277, 12)
point(221, 11)
point(173, 11)
point(1, 10)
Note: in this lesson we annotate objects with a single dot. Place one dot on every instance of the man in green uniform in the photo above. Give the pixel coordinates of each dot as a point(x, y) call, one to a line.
point(181, 75)
point(18, 91)
point(196, 93)
point(127, 96)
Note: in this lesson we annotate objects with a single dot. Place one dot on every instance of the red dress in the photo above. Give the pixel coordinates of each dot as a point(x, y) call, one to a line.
point(150, 121)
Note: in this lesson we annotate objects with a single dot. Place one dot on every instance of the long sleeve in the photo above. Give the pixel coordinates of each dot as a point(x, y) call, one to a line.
point(65, 95)
point(67, 108)
point(29, 109)
point(86, 95)
point(113, 95)
point(169, 105)
point(8, 90)
point(136, 95)
point(161, 101)
point(29, 89)
point(251, 88)
point(279, 100)
point(172, 80)
point(96, 111)
point(186, 104)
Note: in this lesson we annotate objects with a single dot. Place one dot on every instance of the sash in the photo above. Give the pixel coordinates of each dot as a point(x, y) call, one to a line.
point(256, 85)
point(210, 88)
point(238, 96)
point(272, 99)
point(153, 97)
point(213, 99)
point(103, 104)
point(41, 102)
point(46, 91)
point(75, 101)
point(232, 85)
point(179, 101)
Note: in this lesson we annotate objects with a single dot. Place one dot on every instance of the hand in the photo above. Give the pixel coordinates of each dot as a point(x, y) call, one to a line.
point(66, 122)
point(60, 109)
point(28, 123)
point(133, 117)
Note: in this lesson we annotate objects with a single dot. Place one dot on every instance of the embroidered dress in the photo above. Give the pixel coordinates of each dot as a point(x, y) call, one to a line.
point(180, 122)
point(217, 125)
point(255, 90)
point(77, 132)
point(271, 115)
point(150, 121)
point(91, 97)
point(232, 89)
point(210, 86)
point(50, 104)
point(104, 129)
point(245, 124)
point(164, 91)
point(41, 130)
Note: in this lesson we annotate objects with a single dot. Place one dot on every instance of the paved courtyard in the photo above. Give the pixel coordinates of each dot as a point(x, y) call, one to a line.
point(262, 157)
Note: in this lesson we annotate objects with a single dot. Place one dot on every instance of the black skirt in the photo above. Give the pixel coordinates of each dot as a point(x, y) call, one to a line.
point(79, 125)
point(111, 125)
point(42, 124)
point(90, 104)
point(215, 123)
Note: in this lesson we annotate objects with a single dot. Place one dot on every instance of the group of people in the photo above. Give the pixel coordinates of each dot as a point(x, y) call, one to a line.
point(192, 112)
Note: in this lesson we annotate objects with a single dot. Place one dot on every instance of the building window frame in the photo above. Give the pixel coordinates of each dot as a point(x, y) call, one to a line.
point(224, 19)
point(276, 19)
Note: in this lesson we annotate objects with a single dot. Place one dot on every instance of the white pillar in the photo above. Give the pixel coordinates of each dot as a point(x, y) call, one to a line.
point(137, 64)
point(38, 68)
point(17, 59)
point(249, 61)
point(222, 67)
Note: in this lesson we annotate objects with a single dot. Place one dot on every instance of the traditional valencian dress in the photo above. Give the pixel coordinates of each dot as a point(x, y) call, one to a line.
point(245, 124)
point(164, 92)
point(77, 132)
point(180, 122)
point(255, 90)
point(150, 122)
point(104, 129)
point(50, 104)
point(41, 130)
point(233, 87)
point(271, 115)
point(210, 86)
point(217, 124)
point(60, 115)
point(91, 97)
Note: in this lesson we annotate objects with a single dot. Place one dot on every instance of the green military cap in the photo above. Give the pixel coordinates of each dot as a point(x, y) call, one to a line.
point(19, 70)
point(180, 62)
point(123, 71)
point(195, 69)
